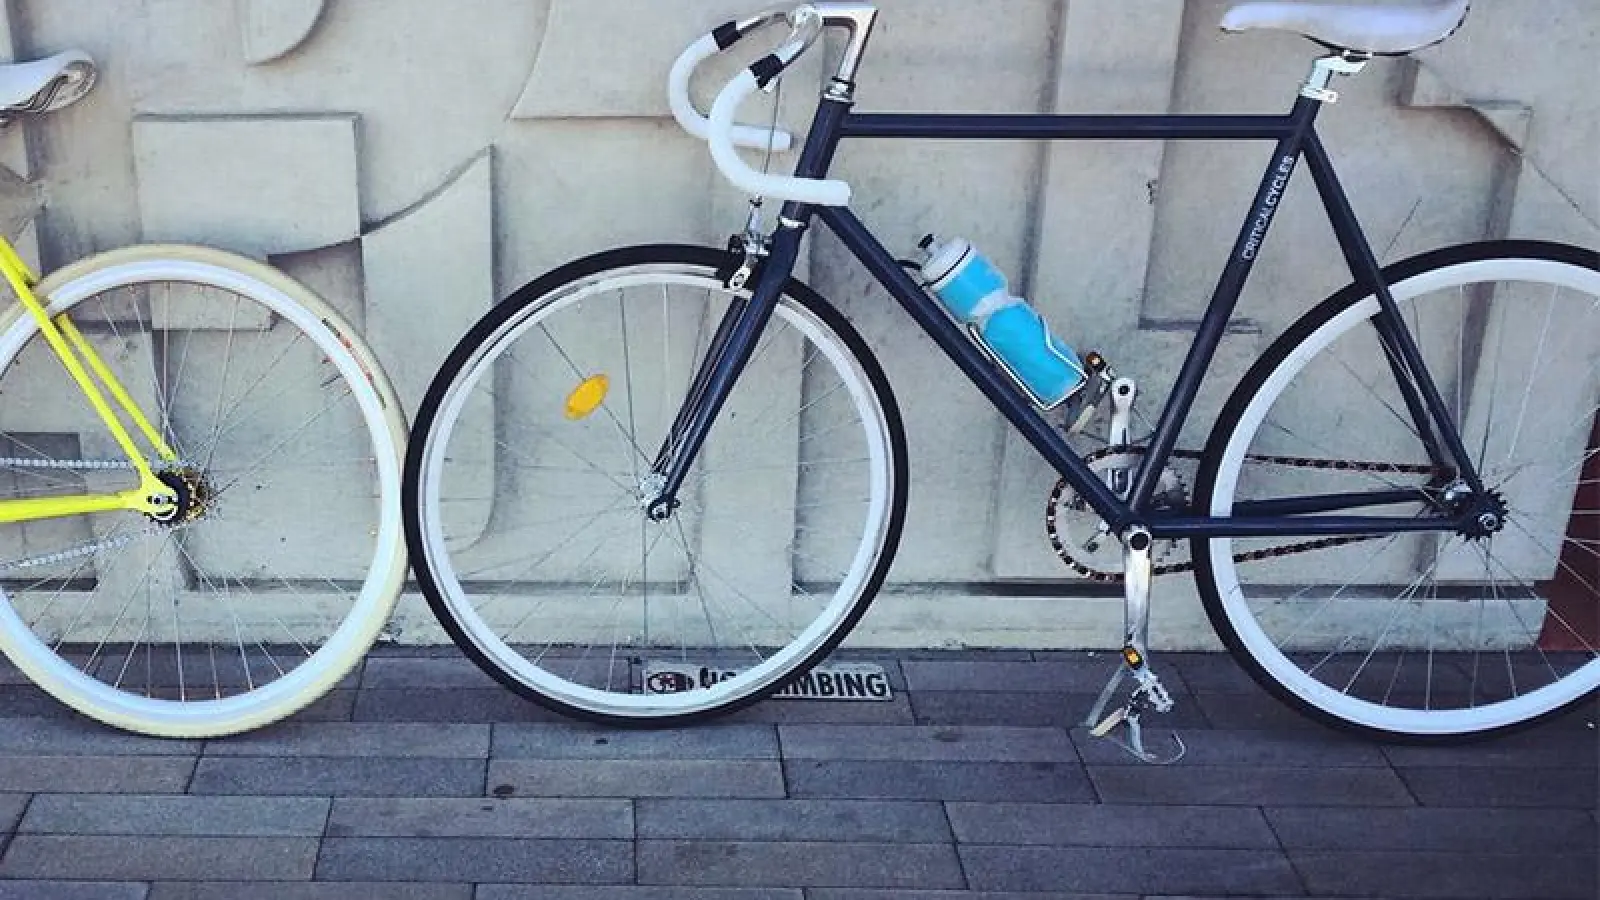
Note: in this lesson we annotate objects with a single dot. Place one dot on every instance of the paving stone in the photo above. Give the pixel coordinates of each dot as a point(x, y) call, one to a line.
point(588, 742)
point(1032, 710)
point(925, 780)
point(480, 817)
point(1128, 870)
point(1079, 674)
point(1412, 873)
point(148, 858)
point(307, 890)
point(71, 890)
point(1459, 830)
point(1110, 826)
point(176, 815)
point(1249, 786)
point(635, 778)
point(36, 736)
point(11, 807)
point(1256, 710)
point(1575, 789)
point(474, 859)
point(1211, 673)
point(334, 706)
point(358, 739)
point(492, 705)
point(1223, 747)
point(794, 820)
point(631, 892)
point(1543, 748)
point(97, 774)
point(316, 776)
point(450, 673)
point(789, 864)
point(879, 894)
point(27, 701)
point(931, 743)
point(826, 712)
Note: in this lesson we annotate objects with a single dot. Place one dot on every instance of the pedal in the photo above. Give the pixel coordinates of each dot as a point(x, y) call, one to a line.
point(1148, 691)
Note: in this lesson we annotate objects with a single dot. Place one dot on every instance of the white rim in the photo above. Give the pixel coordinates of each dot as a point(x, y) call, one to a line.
point(774, 667)
point(314, 675)
point(1257, 642)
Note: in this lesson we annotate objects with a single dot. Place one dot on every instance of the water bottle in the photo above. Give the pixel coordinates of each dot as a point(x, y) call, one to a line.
point(975, 294)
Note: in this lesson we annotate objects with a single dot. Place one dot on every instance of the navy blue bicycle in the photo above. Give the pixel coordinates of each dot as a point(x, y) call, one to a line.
point(1389, 525)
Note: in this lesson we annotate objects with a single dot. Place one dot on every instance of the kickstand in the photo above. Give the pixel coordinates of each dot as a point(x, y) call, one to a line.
point(1128, 714)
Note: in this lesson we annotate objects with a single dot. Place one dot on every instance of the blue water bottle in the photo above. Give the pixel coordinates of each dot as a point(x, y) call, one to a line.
point(976, 294)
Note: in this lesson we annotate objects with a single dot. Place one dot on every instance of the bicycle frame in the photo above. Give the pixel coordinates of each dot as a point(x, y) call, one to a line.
point(1295, 139)
point(152, 496)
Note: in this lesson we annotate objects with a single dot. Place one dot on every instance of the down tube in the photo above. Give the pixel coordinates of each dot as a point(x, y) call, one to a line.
point(1005, 396)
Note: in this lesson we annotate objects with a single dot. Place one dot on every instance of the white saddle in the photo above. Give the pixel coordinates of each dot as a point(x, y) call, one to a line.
point(1366, 29)
point(45, 84)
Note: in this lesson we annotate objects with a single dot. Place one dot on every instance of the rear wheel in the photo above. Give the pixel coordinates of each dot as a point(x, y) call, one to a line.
point(286, 556)
point(1423, 635)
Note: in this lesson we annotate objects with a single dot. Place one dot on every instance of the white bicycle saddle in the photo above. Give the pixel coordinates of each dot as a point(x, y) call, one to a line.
point(45, 84)
point(1366, 29)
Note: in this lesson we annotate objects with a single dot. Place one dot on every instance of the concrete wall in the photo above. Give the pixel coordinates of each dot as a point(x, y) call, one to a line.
point(346, 140)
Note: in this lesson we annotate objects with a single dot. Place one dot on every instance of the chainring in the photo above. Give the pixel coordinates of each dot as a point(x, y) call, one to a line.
point(1081, 538)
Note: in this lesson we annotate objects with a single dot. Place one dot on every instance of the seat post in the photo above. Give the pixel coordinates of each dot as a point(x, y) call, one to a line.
point(1345, 62)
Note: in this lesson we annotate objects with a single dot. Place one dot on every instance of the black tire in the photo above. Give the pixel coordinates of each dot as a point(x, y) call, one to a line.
point(526, 303)
point(1206, 553)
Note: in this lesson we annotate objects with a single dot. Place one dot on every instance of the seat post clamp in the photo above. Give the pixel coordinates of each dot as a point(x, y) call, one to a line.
point(1345, 62)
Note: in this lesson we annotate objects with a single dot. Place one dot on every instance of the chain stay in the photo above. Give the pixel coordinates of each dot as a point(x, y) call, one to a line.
point(1249, 556)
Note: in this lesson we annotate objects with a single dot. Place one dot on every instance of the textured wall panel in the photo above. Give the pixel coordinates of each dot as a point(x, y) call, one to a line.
point(290, 184)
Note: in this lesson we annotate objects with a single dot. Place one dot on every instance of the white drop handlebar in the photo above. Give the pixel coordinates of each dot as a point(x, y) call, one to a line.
point(720, 131)
point(829, 192)
point(753, 136)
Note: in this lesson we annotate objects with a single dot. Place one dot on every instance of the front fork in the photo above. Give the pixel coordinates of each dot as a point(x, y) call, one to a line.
point(732, 345)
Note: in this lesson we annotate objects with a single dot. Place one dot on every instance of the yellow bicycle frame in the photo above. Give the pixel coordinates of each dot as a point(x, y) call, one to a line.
point(153, 496)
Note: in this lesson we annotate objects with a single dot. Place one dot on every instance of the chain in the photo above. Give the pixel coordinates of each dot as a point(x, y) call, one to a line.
point(80, 551)
point(1349, 465)
point(90, 549)
point(19, 462)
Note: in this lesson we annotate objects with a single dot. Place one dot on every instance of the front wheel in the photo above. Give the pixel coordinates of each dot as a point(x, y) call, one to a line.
point(527, 486)
point(1423, 635)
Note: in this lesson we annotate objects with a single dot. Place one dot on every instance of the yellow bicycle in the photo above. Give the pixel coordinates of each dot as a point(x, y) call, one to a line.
point(199, 479)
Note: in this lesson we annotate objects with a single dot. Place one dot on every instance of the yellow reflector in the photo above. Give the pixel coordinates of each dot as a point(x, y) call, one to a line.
point(587, 396)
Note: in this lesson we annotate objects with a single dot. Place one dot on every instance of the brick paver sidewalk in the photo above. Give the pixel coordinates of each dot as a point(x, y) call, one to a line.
point(419, 778)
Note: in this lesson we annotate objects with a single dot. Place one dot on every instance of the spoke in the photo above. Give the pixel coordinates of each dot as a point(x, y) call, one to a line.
point(536, 563)
point(627, 437)
point(272, 451)
point(1538, 363)
point(1564, 566)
